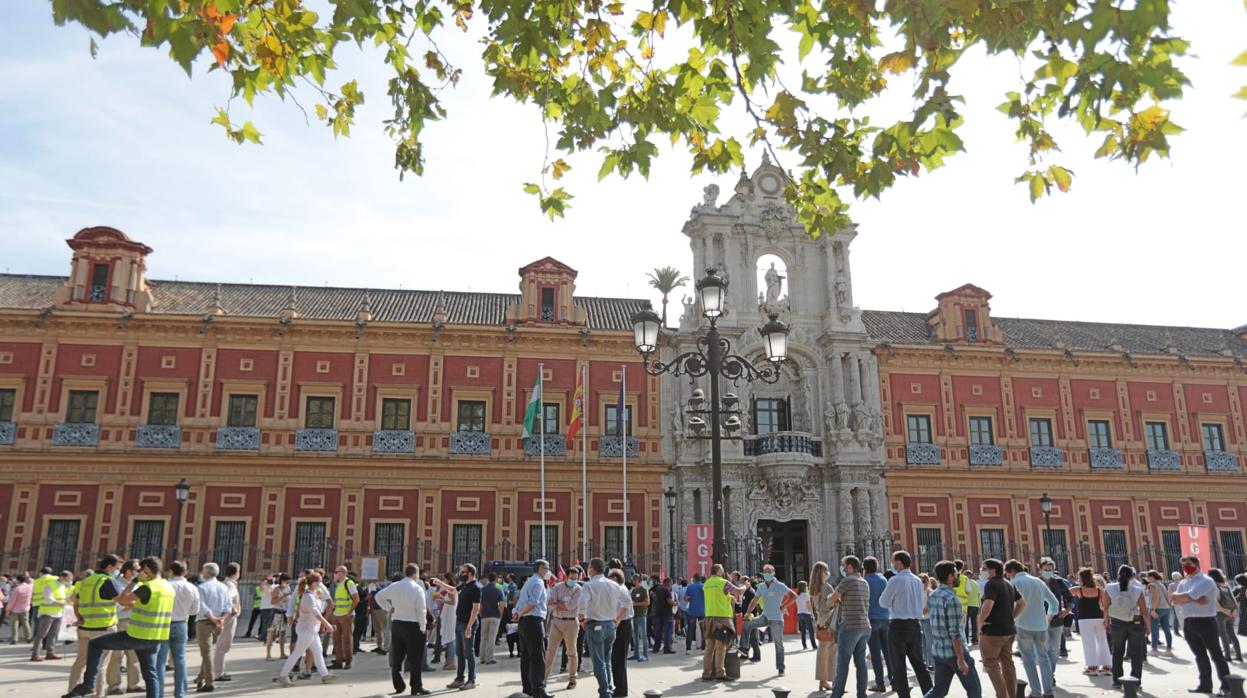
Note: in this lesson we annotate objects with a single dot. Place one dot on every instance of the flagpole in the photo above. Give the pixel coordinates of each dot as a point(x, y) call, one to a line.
point(623, 441)
point(541, 441)
point(584, 466)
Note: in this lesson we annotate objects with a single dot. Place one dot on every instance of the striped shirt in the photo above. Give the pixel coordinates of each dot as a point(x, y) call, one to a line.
point(854, 603)
point(946, 622)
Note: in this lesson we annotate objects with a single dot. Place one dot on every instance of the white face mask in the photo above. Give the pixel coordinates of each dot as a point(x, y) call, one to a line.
point(546, 574)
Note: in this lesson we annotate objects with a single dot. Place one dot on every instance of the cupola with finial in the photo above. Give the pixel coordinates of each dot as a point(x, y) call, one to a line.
point(107, 273)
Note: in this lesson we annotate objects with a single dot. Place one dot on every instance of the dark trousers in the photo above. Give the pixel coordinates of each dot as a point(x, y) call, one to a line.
point(972, 619)
point(533, 654)
point(406, 648)
point(946, 670)
point(255, 615)
point(619, 658)
point(361, 627)
point(1201, 637)
point(662, 630)
point(880, 651)
point(692, 623)
point(145, 650)
point(905, 641)
point(1127, 640)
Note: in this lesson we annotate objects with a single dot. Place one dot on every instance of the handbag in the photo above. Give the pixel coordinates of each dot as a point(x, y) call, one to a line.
point(723, 634)
point(823, 634)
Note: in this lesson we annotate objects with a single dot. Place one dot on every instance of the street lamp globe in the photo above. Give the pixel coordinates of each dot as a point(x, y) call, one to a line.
point(645, 326)
point(670, 496)
point(712, 291)
point(775, 337)
point(182, 489)
point(1045, 503)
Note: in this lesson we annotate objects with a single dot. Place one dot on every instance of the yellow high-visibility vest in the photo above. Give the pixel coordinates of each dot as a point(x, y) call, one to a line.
point(342, 597)
point(150, 621)
point(96, 613)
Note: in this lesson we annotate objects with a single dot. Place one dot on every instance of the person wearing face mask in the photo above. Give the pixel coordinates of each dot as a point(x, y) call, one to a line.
point(906, 600)
point(564, 599)
point(1196, 595)
point(775, 597)
point(1038, 606)
point(530, 613)
point(1128, 623)
point(467, 601)
point(309, 623)
point(880, 623)
point(1056, 627)
point(97, 612)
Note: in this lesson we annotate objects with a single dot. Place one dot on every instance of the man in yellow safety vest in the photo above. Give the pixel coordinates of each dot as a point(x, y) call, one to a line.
point(49, 596)
point(96, 606)
point(345, 598)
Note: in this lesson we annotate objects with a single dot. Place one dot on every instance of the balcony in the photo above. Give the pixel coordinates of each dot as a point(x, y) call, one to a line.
point(470, 442)
point(613, 447)
point(394, 441)
point(1161, 459)
point(316, 440)
point(987, 454)
point(783, 442)
point(158, 436)
point(922, 454)
point(238, 439)
point(554, 444)
point(1106, 459)
point(76, 434)
point(1047, 457)
point(1214, 461)
point(8, 432)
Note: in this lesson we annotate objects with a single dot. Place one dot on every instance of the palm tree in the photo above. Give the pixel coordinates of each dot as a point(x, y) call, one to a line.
point(666, 280)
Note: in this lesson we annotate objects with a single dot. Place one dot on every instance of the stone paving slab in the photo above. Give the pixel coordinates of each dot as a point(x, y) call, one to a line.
point(674, 675)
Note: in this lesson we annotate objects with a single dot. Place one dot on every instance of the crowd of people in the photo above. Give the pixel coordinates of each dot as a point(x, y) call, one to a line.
point(885, 624)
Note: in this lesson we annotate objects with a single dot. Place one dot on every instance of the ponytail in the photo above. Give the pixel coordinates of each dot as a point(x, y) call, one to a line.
point(1124, 574)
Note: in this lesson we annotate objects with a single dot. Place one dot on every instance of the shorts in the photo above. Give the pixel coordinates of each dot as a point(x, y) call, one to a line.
point(278, 625)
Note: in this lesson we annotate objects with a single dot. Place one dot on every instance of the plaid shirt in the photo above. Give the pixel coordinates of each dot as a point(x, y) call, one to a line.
point(946, 622)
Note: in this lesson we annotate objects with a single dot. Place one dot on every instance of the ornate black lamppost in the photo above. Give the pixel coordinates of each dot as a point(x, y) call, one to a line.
point(713, 358)
point(180, 492)
point(670, 496)
point(1045, 505)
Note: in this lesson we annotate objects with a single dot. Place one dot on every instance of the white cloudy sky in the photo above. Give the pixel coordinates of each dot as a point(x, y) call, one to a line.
point(125, 140)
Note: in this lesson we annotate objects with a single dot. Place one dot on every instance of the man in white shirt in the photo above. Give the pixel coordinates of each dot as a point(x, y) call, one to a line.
point(601, 611)
point(406, 603)
point(215, 607)
point(1197, 596)
point(906, 599)
point(230, 626)
point(185, 604)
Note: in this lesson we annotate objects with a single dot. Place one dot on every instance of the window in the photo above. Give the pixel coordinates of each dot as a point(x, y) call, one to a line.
point(1055, 546)
point(1232, 557)
point(1214, 439)
point(7, 397)
point(162, 409)
point(465, 545)
point(1114, 550)
point(1157, 436)
point(1041, 432)
point(395, 414)
point(62, 545)
point(618, 542)
point(547, 304)
point(550, 418)
point(471, 415)
point(1098, 435)
point(148, 539)
point(972, 325)
point(1171, 548)
point(99, 282)
point(992, 543)
point(534, 542)
point(319, 413)
point(82, 404)
point(309, 545)
point(612, 429)
point(930, 548)
point(229, 540)
point(242, 410)
point(981, 431)
point(770, 414)
point(389, 540)
point(919, 428)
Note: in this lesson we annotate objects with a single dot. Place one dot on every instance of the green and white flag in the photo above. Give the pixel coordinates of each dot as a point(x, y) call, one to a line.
point(533, 412)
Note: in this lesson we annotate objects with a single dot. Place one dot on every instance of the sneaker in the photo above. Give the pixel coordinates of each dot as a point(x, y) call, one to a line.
point(455, 684)
point(284, 680)
point(329, 678)
point(468, 686)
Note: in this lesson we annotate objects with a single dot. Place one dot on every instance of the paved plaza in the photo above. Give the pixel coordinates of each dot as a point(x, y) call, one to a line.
point(673, 675)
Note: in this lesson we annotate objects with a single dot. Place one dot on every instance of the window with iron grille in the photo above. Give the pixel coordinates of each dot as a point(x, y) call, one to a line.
point(612, 429)
point(309, 545)
point(770, 414)
point(981, 431)
point(242, 410)
point(1157, 436)
point(389, 539)
point(547, 304)
point(162, 409)
point(972, 325)
point(82, 404)
point(395, 414)
point(228, 542)
point(319, 412)
point(471, 415)
point(1115, 552)
point(992, 543)
point(534, 542)
point(148, 539)
point(618, 542)
point(1171, 548)
point(99, 282)
point(7, 398)
point(465, 545)
point(1232, 557)
point(1098, 434)
point(919, 428)
point(1055, 546)
point(61, 551)
point(930, 548)
point(1214, 438)
point(1041, 432)
point(550, 417)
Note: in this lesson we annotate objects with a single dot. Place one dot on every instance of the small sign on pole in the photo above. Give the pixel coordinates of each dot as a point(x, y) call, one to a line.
point(370, 568)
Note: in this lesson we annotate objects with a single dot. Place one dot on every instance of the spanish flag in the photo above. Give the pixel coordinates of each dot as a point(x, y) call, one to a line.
point(578, 399)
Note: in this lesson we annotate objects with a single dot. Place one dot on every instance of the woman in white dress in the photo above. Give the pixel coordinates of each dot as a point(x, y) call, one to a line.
point(449, 600)
point(310, 622)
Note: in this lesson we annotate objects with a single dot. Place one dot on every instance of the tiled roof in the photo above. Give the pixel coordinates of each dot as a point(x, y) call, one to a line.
point(912, 328)
point(323, 303)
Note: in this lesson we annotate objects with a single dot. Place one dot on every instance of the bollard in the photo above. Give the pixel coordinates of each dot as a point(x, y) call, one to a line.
point(1130, 686)
point(653, 693)
point(780, 692)
point(1021, 689)
point(1235, 683)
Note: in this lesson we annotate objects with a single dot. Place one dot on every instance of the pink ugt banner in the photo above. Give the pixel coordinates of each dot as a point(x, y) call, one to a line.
point(700, 549)
point(1195, 541)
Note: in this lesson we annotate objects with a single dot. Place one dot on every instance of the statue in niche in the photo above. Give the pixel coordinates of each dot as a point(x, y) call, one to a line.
point(690, 312)
point(842, 293)
point(842, 416)
point(710, 194)
point(861, 417)
point(774, 283)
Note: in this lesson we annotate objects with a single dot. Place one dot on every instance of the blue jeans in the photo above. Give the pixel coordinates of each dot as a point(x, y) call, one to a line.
point(946, 669)
point(852, 644)
point(927, 642)
point(776, 630)
point(640, 636)
point(463, 653)
point(878, 645)
point(663, 633)
point(145, 650)
point(691, 624)
point(1055, 635)
point(177, 647)
point(600, 640)
point(1162, 621)
point(805, 625)
point(1033, 644)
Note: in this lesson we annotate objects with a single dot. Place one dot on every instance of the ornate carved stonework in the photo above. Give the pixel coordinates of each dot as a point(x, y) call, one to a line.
point(774, 219)
point(784, 497)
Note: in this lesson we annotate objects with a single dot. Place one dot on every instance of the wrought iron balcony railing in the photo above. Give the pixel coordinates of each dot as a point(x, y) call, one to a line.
point(1106, 459)
point(1161, 459)
point(316, 440)
point(76, 434)
point(555, 445)
point(922, 454)
point(238, 439)
point(394, 441)
point(8, 433)
point(783, 442)
point(158, 436)
point(987, 454)
point(613, 446)
point(1221, 461)
point(1047, 457)
point(470, 442)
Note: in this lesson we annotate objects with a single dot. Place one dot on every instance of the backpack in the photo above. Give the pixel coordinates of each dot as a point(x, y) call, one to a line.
point(1124, 605)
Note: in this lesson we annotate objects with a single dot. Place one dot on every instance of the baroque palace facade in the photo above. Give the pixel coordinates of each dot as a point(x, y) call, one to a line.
point(313, 425)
